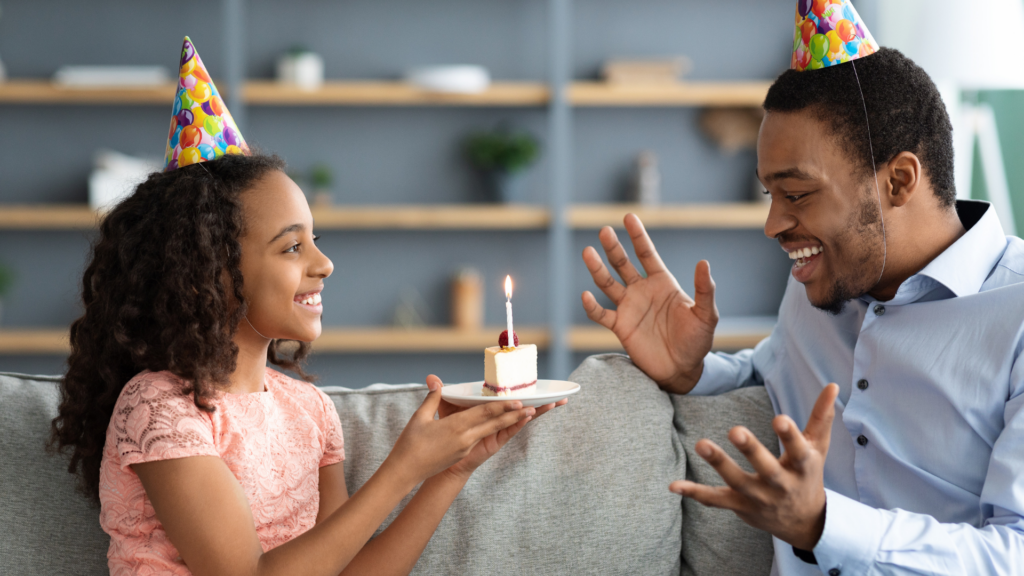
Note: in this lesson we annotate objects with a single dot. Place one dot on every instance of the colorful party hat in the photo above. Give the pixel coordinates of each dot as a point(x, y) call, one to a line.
point(201, 127)
point(829, 32)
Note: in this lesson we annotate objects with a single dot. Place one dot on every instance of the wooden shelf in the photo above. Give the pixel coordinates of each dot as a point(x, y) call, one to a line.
point(34, 341)
point(442, 217)
point(47, 92)
point(734, 215)
point(354, 93)
point(428, 339)
point(719, 94)
point(391, 93)
point(414, 340)
point(48, 217)
point(439, 217)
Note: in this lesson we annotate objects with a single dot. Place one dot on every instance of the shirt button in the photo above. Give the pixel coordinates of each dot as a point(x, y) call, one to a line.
point(835, 572)
point(862, 384)
point(862, 440)
point(879, 310)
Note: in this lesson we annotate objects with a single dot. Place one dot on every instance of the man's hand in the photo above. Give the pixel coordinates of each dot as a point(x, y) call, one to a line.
point(786, 496)
point(664, 331)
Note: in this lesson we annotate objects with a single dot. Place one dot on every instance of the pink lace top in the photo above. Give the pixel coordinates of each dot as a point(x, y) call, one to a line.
point(274, 442)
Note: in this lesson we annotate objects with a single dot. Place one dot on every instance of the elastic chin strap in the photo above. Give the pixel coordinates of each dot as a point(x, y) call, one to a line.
point(254, 328)
point(874, 174)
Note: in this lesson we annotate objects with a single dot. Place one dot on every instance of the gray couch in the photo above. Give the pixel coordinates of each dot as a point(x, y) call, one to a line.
point(584, 490)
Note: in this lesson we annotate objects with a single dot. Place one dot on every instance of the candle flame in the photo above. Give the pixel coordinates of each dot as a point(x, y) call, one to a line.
point(508, 287)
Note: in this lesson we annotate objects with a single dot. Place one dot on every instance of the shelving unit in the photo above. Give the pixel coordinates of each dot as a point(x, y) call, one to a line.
point(558, 96)
point(413, 340)
point(443, 217)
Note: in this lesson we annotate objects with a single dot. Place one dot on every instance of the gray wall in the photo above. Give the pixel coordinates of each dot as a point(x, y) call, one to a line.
point(395, 155)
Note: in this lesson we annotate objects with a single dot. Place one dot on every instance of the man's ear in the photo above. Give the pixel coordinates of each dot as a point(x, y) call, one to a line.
point(904, 178)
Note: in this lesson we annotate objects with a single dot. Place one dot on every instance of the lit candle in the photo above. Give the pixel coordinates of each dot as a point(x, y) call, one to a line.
point(508, 311)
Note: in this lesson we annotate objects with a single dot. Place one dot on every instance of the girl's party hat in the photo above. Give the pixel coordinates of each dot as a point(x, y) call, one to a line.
point(201, 127)
point(829, 32)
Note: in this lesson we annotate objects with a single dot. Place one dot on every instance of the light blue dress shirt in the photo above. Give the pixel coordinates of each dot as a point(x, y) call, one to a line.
point(925, 470)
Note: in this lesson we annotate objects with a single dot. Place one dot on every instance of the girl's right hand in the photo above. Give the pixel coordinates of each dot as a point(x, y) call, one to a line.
point(428, 446)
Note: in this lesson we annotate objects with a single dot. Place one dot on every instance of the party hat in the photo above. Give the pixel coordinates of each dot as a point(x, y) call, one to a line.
point(201, 127)
point(829, 32)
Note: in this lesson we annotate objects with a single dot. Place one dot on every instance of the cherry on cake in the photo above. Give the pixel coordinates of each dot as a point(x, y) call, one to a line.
point(510, 370)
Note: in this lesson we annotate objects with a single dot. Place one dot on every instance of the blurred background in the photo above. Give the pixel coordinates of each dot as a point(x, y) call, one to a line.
point(443, 145)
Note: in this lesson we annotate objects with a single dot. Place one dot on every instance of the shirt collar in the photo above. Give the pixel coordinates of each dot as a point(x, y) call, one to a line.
point(966, 264)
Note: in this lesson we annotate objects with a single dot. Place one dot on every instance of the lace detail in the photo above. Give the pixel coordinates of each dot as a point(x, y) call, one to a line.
point(274, 442)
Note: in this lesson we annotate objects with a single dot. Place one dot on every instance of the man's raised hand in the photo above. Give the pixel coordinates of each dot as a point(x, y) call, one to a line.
point(665, 332)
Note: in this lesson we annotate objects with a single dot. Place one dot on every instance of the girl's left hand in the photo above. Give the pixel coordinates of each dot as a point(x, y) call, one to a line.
point(489, 445)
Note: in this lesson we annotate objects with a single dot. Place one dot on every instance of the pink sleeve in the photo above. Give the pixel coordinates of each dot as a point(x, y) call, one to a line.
point(334, 442)
point(154, 421)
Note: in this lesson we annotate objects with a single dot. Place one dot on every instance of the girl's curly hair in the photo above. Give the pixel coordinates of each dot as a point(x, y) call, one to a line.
point(156, 297)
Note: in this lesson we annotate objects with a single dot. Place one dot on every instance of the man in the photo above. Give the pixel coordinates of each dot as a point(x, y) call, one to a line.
point(910, 302)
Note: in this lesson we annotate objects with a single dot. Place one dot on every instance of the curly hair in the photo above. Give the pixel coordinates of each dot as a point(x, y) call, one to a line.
point(156, 297)
point(904, 107)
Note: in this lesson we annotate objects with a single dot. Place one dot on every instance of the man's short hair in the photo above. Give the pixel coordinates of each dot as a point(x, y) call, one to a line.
point(904, 107)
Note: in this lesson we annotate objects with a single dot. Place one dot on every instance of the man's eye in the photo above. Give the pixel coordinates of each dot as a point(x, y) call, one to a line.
point(794, 198)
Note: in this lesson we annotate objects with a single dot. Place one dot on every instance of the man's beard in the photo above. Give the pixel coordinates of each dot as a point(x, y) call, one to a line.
point(865, 236)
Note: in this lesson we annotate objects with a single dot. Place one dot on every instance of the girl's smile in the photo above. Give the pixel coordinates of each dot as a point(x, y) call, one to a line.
point(310, 301)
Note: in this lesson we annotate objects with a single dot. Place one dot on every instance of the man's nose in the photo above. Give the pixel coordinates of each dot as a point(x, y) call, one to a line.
point(779, 220)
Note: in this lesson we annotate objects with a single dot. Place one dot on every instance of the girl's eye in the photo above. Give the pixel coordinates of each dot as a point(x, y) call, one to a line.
point(315, 238)
point(293, 249)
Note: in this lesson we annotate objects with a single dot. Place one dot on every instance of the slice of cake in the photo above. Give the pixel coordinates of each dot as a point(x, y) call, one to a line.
point(510, 370)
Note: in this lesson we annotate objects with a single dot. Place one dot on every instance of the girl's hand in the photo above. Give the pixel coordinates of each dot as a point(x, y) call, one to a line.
point(428, 446)
point(490, 445)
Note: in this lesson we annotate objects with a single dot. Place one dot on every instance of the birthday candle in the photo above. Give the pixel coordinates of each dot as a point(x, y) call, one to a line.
point(508, 312)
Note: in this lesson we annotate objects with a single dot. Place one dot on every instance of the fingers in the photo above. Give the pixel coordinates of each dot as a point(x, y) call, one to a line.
point(716, 496)
point(819, 425)
point(797, 448)
point(643, 246)
point(484, 412)
point(433, 400)
point(617, 256)
point(764, 462)
point(598, 314)
point(704, 292)
point(549, 407)
point(602, 278)
point(736, 477)
point(500, 423)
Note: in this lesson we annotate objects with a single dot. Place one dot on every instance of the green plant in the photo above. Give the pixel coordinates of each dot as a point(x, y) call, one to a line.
point(502, 150)
point(6, 279)
point(320, 176)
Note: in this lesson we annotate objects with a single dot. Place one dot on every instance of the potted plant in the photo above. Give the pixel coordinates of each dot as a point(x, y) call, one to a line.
point(6, 281)
point(502, 158)
point(321, 178)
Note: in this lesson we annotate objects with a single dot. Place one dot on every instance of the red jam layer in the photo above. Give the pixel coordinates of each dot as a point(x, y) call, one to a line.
point(497, 389)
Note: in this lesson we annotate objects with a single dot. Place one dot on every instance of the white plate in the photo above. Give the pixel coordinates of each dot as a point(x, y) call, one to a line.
point(547, 391)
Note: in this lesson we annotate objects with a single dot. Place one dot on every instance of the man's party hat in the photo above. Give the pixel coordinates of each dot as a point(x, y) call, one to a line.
point(829, 32)
point(201, 127)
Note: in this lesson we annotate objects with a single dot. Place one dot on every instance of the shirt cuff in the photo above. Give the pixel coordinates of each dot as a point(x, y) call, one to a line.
point(852, 536)
point(719, 376)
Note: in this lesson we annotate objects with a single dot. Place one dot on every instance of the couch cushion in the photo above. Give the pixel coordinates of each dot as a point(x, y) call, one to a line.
point(717, 541)
point(583, 490)
point(45, 526)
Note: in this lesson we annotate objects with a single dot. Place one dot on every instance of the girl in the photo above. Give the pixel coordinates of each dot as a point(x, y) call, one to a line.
point(205, 460)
